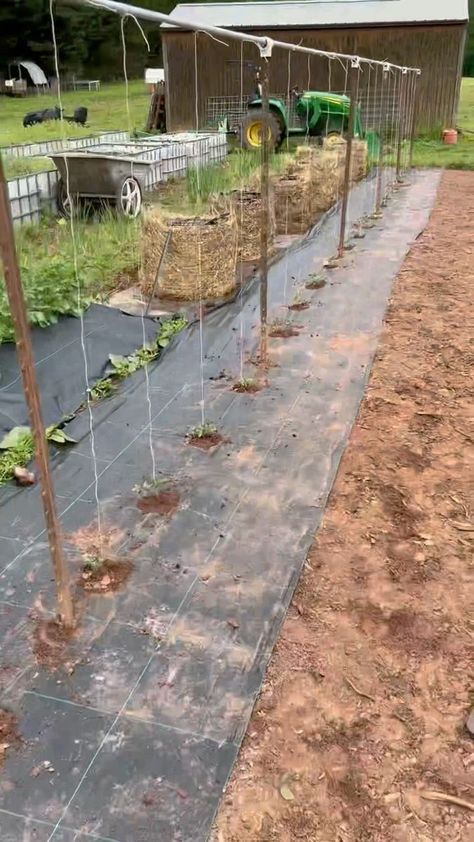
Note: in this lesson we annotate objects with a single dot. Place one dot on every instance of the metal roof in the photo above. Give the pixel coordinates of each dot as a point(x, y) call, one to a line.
point(315, 13)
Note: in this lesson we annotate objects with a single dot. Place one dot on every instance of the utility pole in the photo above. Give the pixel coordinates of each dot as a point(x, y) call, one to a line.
point(30, 387)
point(354, 73)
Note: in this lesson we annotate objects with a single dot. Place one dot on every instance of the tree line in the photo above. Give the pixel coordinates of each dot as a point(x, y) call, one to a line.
point(89, 39)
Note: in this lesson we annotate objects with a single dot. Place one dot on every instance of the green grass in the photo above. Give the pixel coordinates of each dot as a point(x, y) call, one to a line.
point(432, 152)
point(107, 112)
point(15, 167)
point(106, 250)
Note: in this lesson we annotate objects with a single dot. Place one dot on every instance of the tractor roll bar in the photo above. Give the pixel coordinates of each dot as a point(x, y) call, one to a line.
point(265, 45)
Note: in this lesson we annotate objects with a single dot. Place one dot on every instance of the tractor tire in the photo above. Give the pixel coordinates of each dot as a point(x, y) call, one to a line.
point(251, 130)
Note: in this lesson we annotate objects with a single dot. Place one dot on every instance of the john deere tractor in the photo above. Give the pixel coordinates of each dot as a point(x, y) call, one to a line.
point(312, 113)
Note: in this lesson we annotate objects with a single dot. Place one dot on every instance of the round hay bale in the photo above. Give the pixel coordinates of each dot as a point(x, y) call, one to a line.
point(199, 262)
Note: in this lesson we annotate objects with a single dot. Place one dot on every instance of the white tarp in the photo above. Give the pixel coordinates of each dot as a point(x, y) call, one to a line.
point(37, 75)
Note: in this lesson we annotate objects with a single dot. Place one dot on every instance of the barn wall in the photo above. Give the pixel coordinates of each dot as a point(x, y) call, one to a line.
point(436, 49)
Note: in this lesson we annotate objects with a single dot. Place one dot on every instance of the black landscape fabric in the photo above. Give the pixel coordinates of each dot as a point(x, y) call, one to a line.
point(60, 368)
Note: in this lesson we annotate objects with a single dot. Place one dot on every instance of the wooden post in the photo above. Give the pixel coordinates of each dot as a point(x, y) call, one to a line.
point(265, 218)
point(414, 118)
point(383, 114)
point(401, 124)
point(30, 387)
point(354, 73)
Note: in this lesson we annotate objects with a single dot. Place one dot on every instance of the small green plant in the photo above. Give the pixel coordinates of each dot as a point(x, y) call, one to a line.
point(246, 384)
point(149, 485)
point(102, 389)
point(203, 431)
point(17, 448)
point(92, 563)
point(124, 366)
point(315, 282)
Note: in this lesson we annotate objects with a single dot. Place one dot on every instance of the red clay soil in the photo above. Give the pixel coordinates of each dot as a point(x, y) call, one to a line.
point(8, 732)
point(107, 577)
point(284, 331)
point(359, 733)
point(162, 503)
point(206, 442)
point(300, 305)
point(50, 643)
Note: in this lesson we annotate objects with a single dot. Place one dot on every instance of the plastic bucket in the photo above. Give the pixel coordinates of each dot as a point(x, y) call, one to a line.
point(450, 137)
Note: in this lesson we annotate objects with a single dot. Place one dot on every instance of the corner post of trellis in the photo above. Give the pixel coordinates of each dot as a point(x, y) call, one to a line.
point(265, 54)
point(414, 118)
point(30, 387)
point(401, 124)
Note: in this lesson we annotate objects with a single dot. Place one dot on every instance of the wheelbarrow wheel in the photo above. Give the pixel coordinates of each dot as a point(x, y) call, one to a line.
point(67, 201)
point(129, 197)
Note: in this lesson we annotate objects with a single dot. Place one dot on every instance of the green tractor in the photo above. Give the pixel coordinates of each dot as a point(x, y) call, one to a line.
point(312, 113)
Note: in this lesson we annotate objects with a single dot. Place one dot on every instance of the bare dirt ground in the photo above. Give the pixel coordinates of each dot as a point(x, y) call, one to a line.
point(363, 711)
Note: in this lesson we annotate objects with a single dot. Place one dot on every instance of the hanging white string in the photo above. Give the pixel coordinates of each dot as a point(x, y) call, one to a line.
point(140, 254)
point(199, 253)
point(72, 230)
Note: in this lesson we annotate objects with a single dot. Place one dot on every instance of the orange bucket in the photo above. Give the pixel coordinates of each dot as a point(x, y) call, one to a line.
point(450, 137)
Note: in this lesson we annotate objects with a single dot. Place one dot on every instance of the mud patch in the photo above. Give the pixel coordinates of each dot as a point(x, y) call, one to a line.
point(248, 388)
point(284, 331)
point(300, 305)
point(9, 737)
point(162, 503)
point(105, 576)
point(315, 283)
point(206, 442)
point(50, 643)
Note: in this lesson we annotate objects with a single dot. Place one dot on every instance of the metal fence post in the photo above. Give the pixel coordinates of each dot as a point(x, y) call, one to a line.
point(414, 118)
point(401, 124)
point(265, 217)
point(30, 386)
point(383, 115)
point(354, 72)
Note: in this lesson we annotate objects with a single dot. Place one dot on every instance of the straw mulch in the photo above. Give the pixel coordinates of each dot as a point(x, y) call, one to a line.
point(313, 183)
point(248, 213)
point(199, 262)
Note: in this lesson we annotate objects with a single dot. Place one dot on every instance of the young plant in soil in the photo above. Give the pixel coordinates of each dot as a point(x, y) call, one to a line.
point(204, 436)
point(298, 303)
point(103, 575)
point(246, 384)
point(159, 496)
point(315, 282)
point(283, 328)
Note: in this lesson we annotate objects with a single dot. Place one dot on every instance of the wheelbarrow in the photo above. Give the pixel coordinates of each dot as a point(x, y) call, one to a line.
point(100, 177)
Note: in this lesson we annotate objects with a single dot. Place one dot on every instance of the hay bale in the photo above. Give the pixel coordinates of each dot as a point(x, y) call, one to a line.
point(313, 182)
point(200, 259)
point(248, 213)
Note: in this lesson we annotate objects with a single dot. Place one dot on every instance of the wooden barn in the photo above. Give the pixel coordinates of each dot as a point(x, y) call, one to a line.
point(429, 34)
